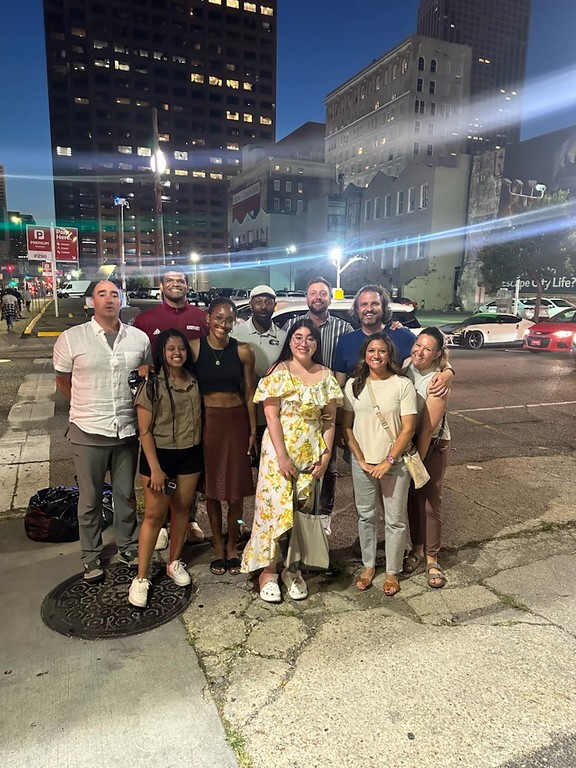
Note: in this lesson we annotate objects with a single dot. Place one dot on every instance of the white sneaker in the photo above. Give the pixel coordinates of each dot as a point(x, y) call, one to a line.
point(162, 540)
point(138, 593)
point(194, 534)
point(326, 524)
point(178, 573)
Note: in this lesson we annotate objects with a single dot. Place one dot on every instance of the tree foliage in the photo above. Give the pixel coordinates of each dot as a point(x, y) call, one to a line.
point(535, 245)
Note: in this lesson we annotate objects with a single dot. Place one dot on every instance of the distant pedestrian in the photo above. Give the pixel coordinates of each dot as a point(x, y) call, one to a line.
point(92, 362)
point(10, 309)
point(28, 298)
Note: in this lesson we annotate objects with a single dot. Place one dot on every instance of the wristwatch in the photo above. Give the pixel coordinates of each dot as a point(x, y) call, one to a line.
point(391, 459)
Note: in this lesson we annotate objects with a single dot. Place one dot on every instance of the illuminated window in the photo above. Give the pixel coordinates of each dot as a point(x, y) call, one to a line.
point(66, 151)
point(122, 100)
point(248, 87)
point(248, 118)
point(233, 83)
point(142, 103)
point(265, 10)
point(232, 115)
point(216, 160)
point(102, 63)
point(233, 3)
point(215, 2)
point(233, 145)
point(179, 59)
point(99, 44)
point(180, 155)
point(163, 137)
point(196, 78)
point(216, 176)
point(214, 80)
point(250, 7)
point(122, 65)
point(180, 172)
point(81, 100)
point(199, 174)
point(144, 151)
point(265, 120)
point(124, 149)
point(78, 32)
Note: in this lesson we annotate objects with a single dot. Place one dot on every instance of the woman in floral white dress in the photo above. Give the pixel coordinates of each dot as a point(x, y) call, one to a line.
point(300, 398)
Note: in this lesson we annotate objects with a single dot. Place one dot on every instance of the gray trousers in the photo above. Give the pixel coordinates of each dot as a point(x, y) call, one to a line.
point(394, 489)
point(91, 463)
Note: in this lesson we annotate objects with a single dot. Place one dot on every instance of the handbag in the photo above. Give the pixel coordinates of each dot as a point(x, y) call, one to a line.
point(411, 457)
point(308, 546)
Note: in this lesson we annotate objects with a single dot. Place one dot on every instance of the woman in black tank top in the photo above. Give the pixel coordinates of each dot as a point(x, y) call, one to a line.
point(225, 373)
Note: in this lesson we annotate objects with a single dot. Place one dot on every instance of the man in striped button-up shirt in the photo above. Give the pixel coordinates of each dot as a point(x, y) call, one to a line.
point(318, 298)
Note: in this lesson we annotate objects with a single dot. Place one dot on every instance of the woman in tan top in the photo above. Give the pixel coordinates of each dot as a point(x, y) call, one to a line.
point(169, 408)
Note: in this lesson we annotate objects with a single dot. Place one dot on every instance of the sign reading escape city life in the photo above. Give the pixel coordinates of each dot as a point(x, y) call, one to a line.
point(39, 241)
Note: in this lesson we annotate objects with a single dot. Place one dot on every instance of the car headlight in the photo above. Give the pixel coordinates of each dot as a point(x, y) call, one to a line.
point(563, 334)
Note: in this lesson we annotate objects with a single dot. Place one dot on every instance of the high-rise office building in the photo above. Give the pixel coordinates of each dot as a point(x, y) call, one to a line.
point(127, 79)
point(497, 31)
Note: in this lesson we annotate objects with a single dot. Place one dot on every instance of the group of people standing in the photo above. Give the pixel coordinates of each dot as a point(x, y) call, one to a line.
point(216, 395)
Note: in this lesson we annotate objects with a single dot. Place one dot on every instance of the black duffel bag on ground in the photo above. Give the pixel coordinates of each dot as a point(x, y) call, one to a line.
point(52, 514)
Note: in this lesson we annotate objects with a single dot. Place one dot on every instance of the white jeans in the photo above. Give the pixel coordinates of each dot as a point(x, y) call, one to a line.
point(394, 490)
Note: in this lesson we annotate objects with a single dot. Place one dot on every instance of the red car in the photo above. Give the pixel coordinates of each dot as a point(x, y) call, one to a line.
point(553, 334)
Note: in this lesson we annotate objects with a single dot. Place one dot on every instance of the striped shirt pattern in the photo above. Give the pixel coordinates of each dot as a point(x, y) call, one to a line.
point(330, 331)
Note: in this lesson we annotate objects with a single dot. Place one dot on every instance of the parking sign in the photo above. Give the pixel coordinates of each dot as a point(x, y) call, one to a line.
point(39, 241)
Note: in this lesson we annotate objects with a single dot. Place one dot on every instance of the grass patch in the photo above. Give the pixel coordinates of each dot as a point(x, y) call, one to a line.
point(237, 742)
point(512, 602)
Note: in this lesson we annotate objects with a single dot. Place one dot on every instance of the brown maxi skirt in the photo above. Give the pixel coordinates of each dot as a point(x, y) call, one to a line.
point(227, 470)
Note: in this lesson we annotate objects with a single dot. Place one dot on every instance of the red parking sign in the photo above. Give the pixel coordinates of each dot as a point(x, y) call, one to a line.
point(39, 242)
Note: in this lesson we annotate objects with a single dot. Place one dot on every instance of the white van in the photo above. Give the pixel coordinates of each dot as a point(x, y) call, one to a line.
point(73, 289)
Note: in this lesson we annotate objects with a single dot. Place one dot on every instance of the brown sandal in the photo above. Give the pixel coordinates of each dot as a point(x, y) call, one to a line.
point(391, 585)
point(364, 582)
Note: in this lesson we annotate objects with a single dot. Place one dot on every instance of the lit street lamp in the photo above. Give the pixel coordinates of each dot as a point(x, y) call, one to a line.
point(122, 203)
point(158, 166)
point(290, 251)
point(336, 255)
point(195, 258)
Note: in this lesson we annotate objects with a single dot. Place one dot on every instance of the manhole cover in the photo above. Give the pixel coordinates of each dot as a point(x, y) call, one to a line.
point(92, 611)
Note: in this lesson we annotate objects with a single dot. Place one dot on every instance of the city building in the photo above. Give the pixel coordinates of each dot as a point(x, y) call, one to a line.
point(411, 103)
point(270, 202)
point(4, 227)
point(150, 104)
point(497, 31)
point(413, 226)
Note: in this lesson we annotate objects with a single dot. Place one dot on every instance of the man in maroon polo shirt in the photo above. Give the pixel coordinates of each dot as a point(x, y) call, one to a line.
point(174, 312)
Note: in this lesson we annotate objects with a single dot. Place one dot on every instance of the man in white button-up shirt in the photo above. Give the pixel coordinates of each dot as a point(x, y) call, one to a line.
point(92, 362)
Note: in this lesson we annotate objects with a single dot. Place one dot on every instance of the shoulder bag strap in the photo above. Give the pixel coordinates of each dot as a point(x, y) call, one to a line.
point(376, 409)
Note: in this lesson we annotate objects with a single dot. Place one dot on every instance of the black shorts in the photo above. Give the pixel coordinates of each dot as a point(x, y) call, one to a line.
point(175, 461)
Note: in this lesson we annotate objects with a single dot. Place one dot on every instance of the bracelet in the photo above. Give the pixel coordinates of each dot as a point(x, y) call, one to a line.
point(253, 434)
point(391, 459)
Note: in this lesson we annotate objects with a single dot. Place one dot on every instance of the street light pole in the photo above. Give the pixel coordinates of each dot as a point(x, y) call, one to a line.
point(158, 165)
point(290, 251)
point(122, 203)
point(195, 258)
point(336, 254)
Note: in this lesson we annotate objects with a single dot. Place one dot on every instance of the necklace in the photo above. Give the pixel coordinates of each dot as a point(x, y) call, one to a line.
point(216, 355)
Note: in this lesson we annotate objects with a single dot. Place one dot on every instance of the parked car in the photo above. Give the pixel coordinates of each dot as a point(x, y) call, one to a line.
point(486, 328)
point(548, 307)
point(556, 334)
point(194, 298)
point(405, 300)
point(140, 293)
point(287, 310)
point(239, 293)
point(291, 294)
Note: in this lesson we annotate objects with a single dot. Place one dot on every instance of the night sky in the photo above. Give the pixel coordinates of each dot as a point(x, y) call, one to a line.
point(321, 43)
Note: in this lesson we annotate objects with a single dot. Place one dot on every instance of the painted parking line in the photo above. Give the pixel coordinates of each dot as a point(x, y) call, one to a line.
point(511, 407)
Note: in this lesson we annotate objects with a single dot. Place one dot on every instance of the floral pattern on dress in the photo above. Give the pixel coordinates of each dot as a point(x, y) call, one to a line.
point(301, 418)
